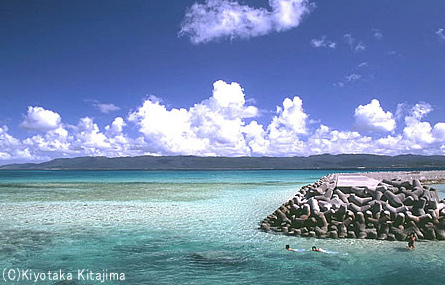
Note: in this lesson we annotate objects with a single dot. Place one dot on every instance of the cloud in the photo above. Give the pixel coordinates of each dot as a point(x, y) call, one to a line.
point(393, 53)
point(440, 34)
point(356, 46)
point(212, 127)
point(226, 124)
point(360, 47)
point(349, 79)
point(166, 131)
point(83, 139)
point(439, 132)
point(323, 42)
point(227, 19)
point(417, 131)
point(377, 34)
point(53, 142)
point(9, 146)
point(88, 139)
point(339, 84)
point(88, 135)
point(326, 140)
point(116, 126)
point(256, 138)
point(353, 77)
point(290, 119)
point(287, 127)
point(106, 108)
point(349, 39)
point(372, 117)
point(39, 119)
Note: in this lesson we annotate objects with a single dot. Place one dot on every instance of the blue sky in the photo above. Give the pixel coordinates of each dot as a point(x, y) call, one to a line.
point(220, 78)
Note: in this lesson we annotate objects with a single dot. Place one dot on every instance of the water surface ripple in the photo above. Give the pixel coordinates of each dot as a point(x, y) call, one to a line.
point(187, 227)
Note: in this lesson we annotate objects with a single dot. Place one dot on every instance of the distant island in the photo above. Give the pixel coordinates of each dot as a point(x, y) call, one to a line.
point(324, 161)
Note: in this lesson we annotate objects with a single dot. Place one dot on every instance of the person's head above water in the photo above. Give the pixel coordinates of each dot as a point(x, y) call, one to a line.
point(287, 246)
point(314, 248)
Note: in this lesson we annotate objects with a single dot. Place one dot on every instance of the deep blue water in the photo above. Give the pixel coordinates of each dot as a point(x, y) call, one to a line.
point(186, 227)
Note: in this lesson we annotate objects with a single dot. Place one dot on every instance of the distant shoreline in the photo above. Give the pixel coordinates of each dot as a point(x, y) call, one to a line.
point(345, 162)
point(371, 172)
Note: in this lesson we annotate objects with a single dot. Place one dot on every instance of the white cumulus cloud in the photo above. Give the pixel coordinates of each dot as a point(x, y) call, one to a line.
point(372, 117)
point(226, 124)
point(39, 119)
point(327, 140)
point(290, 118)
point(287, 127)
point(116, 126)
point(9, 146)
point(166, 131)
point(53, 141)
point(215, 19)
point(212, 127)
point(439, 132)
point(417, 131)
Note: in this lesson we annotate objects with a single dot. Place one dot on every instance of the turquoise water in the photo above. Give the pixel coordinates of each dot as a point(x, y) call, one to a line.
point(186, 227)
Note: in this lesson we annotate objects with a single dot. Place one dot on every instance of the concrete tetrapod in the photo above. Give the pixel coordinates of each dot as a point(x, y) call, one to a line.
point(386, 210)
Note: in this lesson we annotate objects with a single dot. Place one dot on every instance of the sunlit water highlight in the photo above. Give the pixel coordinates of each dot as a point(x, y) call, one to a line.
point(189, 227)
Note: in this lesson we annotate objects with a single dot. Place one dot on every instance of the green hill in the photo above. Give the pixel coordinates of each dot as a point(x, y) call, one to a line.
point(326, 161)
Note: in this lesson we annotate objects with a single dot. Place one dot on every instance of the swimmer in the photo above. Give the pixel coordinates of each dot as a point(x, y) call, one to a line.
point(314, 248)
point(290, 249)
point(412, 239)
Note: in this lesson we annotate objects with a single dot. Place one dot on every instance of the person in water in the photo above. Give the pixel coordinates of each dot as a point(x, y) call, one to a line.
point(411, 240)
point(288, 248)
point(314, 248)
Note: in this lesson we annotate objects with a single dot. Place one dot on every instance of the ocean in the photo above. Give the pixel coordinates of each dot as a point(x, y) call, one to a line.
point(182, 227)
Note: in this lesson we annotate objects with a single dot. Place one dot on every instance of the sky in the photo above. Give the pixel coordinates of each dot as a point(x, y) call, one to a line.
point(220, 78)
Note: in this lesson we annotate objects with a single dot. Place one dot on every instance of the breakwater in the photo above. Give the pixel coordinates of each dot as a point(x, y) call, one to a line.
point(389, 207)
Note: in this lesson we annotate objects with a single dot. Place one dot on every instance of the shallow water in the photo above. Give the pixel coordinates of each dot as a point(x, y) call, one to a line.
point(186, 227)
